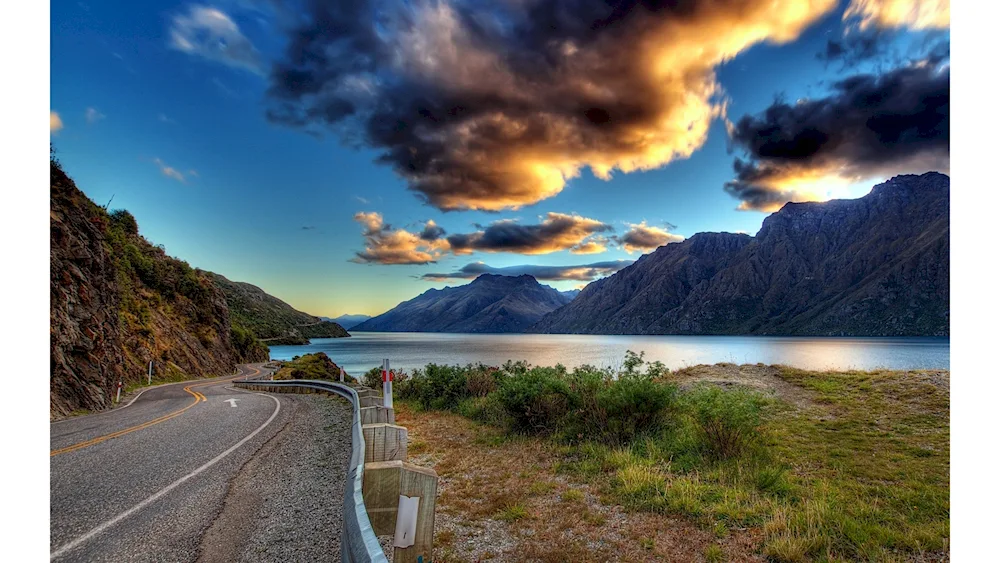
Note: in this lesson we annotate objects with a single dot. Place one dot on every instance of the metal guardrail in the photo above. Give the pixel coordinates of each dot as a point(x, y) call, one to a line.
point(358, 543)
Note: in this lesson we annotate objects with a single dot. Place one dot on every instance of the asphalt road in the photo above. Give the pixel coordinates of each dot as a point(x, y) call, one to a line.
point(146, 482)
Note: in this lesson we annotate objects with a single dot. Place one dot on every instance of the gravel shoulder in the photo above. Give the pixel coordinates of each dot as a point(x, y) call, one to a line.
point(285, 504)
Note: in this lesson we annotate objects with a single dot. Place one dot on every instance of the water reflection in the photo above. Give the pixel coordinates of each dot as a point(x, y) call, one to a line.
point(365, 350)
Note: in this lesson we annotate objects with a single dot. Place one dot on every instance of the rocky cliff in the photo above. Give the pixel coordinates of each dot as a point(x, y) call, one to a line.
point(490, 303)
point(117, 302)
point(873, 266)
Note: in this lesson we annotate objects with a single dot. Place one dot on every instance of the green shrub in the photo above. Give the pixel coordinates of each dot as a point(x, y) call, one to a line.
point(630, 408)
point(538, 401)
point(728, 421)
point(488, 410)
point(441, 387)
point(481, 382)
point(122, 219)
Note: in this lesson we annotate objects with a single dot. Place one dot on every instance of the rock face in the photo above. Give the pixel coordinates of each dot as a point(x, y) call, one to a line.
point(85, 335)
point(873, 266)
point(489, 304)
point(271, 319)
point(118, 302)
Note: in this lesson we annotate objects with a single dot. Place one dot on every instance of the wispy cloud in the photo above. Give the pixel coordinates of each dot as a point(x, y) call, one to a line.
point(55, 122)
point(164, 119)
point(582, 272)
point(913, 14)
point(361, 200)
point(210, 33)
point(169, 171)
point(93, 115)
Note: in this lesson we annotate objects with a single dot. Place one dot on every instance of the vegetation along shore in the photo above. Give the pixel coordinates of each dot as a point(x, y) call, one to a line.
point(708, 463)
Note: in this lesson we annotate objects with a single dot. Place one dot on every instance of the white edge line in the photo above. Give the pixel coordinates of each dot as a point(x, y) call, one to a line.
point(156, 496)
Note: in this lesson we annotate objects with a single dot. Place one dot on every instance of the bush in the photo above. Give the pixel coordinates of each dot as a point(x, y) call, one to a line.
point(538, 401)
point(728, 421)
point(481, 382)
point(122, 219)
point(630, 408)
point(488, 410)
point(441, 387)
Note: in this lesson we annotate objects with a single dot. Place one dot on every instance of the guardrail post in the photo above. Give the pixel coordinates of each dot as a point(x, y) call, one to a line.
point(375, 415)
point(385, 483)
point(384, 442)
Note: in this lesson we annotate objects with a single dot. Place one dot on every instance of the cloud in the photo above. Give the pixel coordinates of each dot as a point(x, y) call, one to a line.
point(163, 118)
point(361, 200)
point(496, 105)
point(642, 237)
point(557, 231)
point(169, 171)
point(308, 228)
point(55, 122)
point(93, 115)
point(871, 126)
point(385, 245)
point(193, 172)
point(913, 14)
point(432, 231)
point(584, 272)
point(210, 33)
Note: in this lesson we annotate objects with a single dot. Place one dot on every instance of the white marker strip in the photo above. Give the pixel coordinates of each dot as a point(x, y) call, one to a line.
point(232, 402)
point(156, 496)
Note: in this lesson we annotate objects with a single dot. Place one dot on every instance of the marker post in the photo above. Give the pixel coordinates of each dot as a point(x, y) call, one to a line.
point(387, 377)
point(149, 380)
point(118, 398)
point(341, 375)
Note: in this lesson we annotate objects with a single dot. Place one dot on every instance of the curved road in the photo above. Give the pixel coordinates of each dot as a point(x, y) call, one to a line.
point(145, 482)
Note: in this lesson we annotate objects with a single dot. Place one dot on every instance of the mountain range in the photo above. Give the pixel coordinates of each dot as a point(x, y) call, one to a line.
point(348, 321)
point(873, 266)
point(489, 304)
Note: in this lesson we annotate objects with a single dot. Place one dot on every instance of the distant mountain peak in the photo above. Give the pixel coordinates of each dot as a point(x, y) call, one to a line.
point(491, 303)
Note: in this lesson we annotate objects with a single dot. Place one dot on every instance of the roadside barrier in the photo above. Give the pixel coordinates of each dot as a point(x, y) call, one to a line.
point(384, 494)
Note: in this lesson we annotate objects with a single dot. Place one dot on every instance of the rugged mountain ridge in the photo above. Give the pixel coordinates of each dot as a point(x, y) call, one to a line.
point(872, 266)
point(117, 302)
point(489, 304)
point(270, 319)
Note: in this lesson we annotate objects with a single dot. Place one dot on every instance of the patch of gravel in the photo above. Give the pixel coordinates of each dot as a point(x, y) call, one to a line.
point(286, 503)
point(760, 377)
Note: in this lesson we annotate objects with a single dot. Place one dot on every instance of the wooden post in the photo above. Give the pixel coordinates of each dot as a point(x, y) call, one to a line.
point(384, 483)
point(384, 442)
point(375, 415)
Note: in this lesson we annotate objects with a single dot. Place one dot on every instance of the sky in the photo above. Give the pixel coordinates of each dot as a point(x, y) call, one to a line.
point(348, 155)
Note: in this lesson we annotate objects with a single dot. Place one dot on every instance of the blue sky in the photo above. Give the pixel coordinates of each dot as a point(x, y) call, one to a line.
point(182, 139)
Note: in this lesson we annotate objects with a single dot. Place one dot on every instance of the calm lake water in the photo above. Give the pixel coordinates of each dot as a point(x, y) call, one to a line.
point(408, 350)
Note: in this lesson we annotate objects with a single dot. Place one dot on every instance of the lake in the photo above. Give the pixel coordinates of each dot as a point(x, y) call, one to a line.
point(408, 350)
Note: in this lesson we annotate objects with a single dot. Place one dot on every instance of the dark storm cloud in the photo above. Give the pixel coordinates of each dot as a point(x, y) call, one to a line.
point(584, 272)
point(558, 231)
point(497, 104)
point(871, 125)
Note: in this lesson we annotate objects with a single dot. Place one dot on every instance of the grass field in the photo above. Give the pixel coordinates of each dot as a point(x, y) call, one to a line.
point(834, 466)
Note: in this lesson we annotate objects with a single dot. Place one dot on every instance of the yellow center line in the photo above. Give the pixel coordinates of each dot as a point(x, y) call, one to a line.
point(198, 398)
